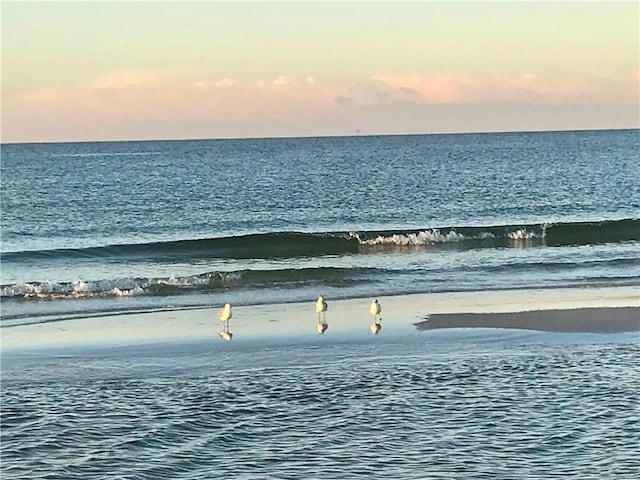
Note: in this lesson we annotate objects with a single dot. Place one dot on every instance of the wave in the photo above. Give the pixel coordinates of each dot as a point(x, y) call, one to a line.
point(205, 282)
point(586, 233)
point(299, 244)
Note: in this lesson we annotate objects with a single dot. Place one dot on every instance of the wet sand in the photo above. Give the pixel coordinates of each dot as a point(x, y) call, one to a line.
point(614, 309)
point(586, 320)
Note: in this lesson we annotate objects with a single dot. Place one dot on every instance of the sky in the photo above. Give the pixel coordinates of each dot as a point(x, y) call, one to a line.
point(120, 70)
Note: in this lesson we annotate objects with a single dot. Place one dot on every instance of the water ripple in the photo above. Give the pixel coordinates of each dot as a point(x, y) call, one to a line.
point(530, 412)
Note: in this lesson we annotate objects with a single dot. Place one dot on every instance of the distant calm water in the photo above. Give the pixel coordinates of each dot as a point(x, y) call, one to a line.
point(95, 227)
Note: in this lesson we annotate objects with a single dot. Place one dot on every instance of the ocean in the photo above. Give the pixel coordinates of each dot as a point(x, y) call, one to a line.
point(102, 230)
point(89, 228)
point(449, 405)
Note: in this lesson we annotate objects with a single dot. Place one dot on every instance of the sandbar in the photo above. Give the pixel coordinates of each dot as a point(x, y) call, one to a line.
point(610, 309)
point(586, 320)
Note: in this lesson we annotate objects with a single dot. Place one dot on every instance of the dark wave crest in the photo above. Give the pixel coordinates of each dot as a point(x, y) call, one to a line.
point(585, 233)
point(298, 244)
point(262, 245)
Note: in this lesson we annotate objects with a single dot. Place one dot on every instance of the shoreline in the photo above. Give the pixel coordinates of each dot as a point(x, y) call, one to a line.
point(559, 310)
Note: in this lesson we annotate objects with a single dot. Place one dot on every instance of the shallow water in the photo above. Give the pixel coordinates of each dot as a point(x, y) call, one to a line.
point(450, 404)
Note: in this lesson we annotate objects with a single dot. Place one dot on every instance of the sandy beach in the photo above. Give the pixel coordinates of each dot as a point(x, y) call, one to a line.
point(560, 310)
point(589, 320)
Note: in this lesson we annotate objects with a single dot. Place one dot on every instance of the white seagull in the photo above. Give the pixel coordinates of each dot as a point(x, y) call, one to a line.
point(224, 314)
point(321, 308)
point(375, 309)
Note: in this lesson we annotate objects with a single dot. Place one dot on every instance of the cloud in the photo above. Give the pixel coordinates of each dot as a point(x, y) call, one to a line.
point(102, 92)
point(283, 81)
point(528, 87)
point(227, 82)
point(117, 104)
point(155, 96)
point(444, 88)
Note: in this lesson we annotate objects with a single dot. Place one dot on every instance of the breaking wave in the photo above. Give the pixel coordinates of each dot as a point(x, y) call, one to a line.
point(206, 282)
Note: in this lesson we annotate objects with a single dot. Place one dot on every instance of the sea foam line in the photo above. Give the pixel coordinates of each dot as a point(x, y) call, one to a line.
point(434, 236)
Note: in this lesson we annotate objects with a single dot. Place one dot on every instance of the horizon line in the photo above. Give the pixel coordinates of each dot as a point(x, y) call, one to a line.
point(352, 135)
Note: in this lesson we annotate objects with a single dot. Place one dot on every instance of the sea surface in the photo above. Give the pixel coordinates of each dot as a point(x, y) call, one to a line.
point(450, 404)
point(108, 228)
point(89, 228)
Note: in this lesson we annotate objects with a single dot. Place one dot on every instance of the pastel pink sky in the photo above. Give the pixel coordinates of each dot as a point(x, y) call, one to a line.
point(257, 72)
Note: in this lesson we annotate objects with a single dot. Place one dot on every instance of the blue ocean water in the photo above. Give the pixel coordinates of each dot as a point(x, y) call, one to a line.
point(118, 226)
point(94, 228)
point(471, 404)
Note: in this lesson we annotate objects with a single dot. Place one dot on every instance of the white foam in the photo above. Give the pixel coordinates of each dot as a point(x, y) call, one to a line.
point(79, 289)
point(523, 234)
point(122, 293)
point(425, 237)
point(172, 281)
point(435, 235)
